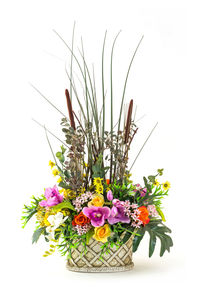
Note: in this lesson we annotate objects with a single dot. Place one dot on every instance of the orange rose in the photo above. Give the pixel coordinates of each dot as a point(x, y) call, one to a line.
point(80, 219)
point(143, 216)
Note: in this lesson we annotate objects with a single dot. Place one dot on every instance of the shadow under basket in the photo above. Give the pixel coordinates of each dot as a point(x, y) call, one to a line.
point(117, 260)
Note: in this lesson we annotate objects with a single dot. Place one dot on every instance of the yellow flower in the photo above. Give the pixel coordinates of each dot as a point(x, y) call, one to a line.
point(59, 180)
point(55, 172)
point(86, 165)
point(51, 164)
point(97, 181)
point(166, 185)
point(42, 216)
point(81, 190)
point(102, 233)
point(98, 200)
point(156, 183)
point(99, 189)
point(68, 193)
point(46, 222)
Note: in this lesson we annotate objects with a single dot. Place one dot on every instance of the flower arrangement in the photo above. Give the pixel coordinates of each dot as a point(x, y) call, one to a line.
point(95, 197)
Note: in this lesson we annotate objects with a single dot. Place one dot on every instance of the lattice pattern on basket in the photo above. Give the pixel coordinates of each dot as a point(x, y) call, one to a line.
point(115, 258)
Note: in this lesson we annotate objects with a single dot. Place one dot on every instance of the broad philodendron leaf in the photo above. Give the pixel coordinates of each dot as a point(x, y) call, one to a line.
point(64, 204)
point(138, 238)
point(37, 234)
point(152, 242)
point(159, 231)
point(156, 229)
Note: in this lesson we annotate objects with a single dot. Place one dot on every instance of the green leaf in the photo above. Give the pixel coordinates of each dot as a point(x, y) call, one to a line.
point(160, 171)
point(63, 149)
point(152, 242)
point(37, 234)
point(152, 179)
point(147, 184)
point(126, 237)
point(138, 238)
point(66, 173)
point(161, 214)
point(60, 156)
point(29, 211)
point(89, 235)
point(64, 204)
point(159, 230)
point(63, 185)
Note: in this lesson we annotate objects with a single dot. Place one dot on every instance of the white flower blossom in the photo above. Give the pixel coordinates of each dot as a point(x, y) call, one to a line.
point(55, 221)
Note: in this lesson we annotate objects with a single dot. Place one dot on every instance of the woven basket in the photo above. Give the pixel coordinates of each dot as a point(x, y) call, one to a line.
point(116, 260)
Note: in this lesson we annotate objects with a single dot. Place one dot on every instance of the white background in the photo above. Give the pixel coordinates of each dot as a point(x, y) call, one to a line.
point(164, 85)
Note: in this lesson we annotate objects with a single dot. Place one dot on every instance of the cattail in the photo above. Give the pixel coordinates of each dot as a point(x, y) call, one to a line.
point(69, 105)
point(128, 121)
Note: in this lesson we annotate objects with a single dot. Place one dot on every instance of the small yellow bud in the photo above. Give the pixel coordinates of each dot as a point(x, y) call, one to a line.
point(51, 164)
point(59, 180)
point(55, 172)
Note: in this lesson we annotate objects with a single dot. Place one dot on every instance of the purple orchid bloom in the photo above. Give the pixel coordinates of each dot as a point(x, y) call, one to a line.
point(97, 215)
point(52, 196)
point(117, 213)
point(109, 195)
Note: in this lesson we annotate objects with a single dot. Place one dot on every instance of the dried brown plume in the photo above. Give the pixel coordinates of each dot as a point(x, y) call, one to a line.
point(70, 110)
point(128, 122)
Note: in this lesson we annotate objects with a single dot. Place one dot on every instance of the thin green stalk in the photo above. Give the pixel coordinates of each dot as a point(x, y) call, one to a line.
point(91, 99)
point(111, 104)
point(96, 107)
point(76, 59)
point(127, 75)
point(50, 132)
point(123, 96)
point(88, 117)
point(71, 65)
point(143, 146)
point(135, 113)
point(103, 93)
point(50, 147)
point(75, 92)
point(48, 100)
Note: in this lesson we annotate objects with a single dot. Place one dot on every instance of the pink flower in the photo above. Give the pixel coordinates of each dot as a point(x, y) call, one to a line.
point(52, 197)
point(97, 215)
point(109, 195)
point(152, 210)
point(118, 213)
point(143, 192)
